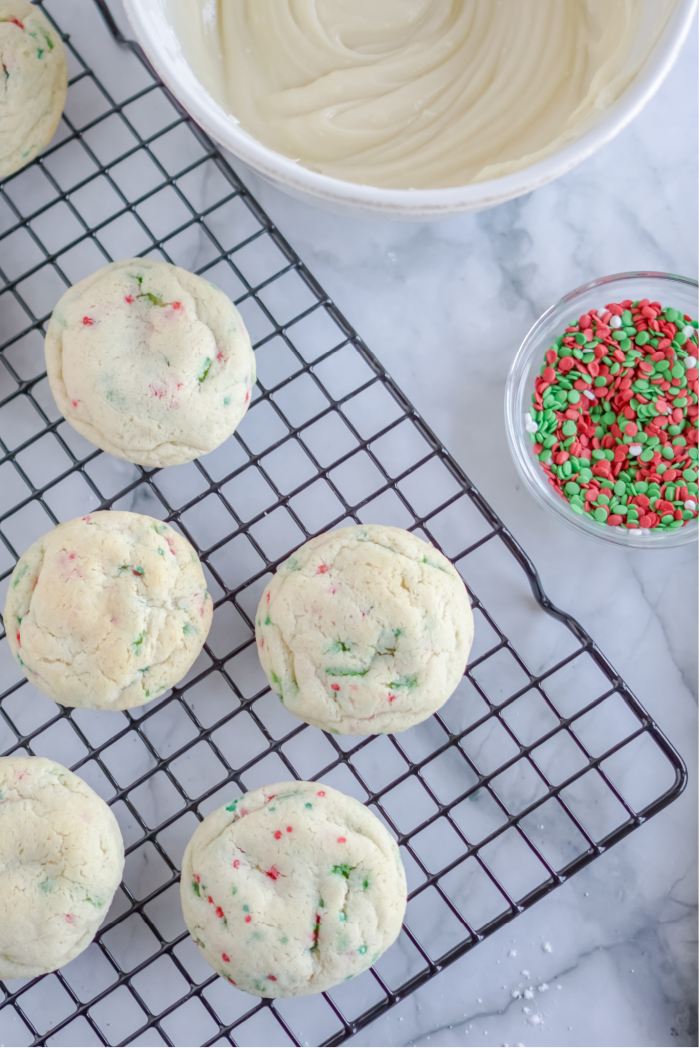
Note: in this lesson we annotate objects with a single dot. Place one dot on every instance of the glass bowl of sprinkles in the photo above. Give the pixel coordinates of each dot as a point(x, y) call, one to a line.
point(601, 409)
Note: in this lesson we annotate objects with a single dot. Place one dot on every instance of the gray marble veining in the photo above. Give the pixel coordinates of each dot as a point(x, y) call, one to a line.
point(444, 306)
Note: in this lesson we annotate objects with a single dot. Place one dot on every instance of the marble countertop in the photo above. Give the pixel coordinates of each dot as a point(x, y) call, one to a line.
point(444, 306)
point(610, 957)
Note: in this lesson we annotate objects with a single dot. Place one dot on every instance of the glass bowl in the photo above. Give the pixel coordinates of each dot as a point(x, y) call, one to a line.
point(670, 290)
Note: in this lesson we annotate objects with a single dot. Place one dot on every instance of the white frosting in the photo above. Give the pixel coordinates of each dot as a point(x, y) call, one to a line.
point(416, 93)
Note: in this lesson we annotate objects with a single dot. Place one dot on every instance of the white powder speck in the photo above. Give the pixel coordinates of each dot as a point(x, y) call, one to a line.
point(543, 988)
point(547, 947)
point(511, 953)
point(525, 973)
point(529, 994)
point(527, 1011)
point(515, 995)
point(535, 1020)
point(558, 986)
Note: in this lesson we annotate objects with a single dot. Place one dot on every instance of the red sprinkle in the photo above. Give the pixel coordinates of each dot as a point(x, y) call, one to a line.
point(225, 957)
point(335, 687)
point(87, 321)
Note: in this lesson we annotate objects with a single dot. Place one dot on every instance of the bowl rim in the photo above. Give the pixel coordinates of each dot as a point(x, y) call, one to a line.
point(514, 405)
point(225, 129)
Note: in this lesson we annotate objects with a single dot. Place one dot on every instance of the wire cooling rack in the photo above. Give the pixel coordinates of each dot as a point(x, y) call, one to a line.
point(540, 762)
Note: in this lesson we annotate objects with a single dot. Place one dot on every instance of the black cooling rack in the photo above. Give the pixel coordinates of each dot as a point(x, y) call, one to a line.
point(541, 761)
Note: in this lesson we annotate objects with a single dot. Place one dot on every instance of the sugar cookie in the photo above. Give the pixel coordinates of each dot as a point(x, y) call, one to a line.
point(61, 861)
point(365, 629)
point(107, 611)
point(291, 889)
point(33, 83)
point(151, 363)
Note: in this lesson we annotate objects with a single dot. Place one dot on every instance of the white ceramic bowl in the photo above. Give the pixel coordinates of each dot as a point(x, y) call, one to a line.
point(154, 22)
point(678, 292)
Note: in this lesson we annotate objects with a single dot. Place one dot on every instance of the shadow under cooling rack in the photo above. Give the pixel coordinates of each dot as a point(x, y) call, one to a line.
point(540, 761)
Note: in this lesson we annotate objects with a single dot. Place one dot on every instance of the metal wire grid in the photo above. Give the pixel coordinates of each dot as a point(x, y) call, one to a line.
point(552, 734)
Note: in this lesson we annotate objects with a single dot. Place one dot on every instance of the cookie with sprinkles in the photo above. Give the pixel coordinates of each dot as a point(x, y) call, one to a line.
point(61, 861)
point(614, 416)
point(291, 889)
point(33, 83)
point(365, 629)
point(149, 362)
point(107, 611)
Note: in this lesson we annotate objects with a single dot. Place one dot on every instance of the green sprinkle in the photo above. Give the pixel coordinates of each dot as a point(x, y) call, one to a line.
point(339, 671)
point(136, 645)
point(205, 370)
point(404, 682)
point(195, 889)
point(19, 574)
point(343, 870)
point(153, 299)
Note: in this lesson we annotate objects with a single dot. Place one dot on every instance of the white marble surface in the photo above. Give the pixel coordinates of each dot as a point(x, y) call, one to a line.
point(444, 306)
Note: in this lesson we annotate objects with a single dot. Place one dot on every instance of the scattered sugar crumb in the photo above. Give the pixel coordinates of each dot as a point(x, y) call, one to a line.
point(515, 994)
point(524, 972)
point(529, 993)
point(511, 953)
point(535, 1020)
point(527, 1011)
point(543, 988)
point(558, 986)
point(547, 947)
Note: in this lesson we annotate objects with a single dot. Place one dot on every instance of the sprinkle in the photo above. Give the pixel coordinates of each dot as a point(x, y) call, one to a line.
point(342, 840)
point(248, 919)
point(615, 415)
point(226, 958)
point(87, 321)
